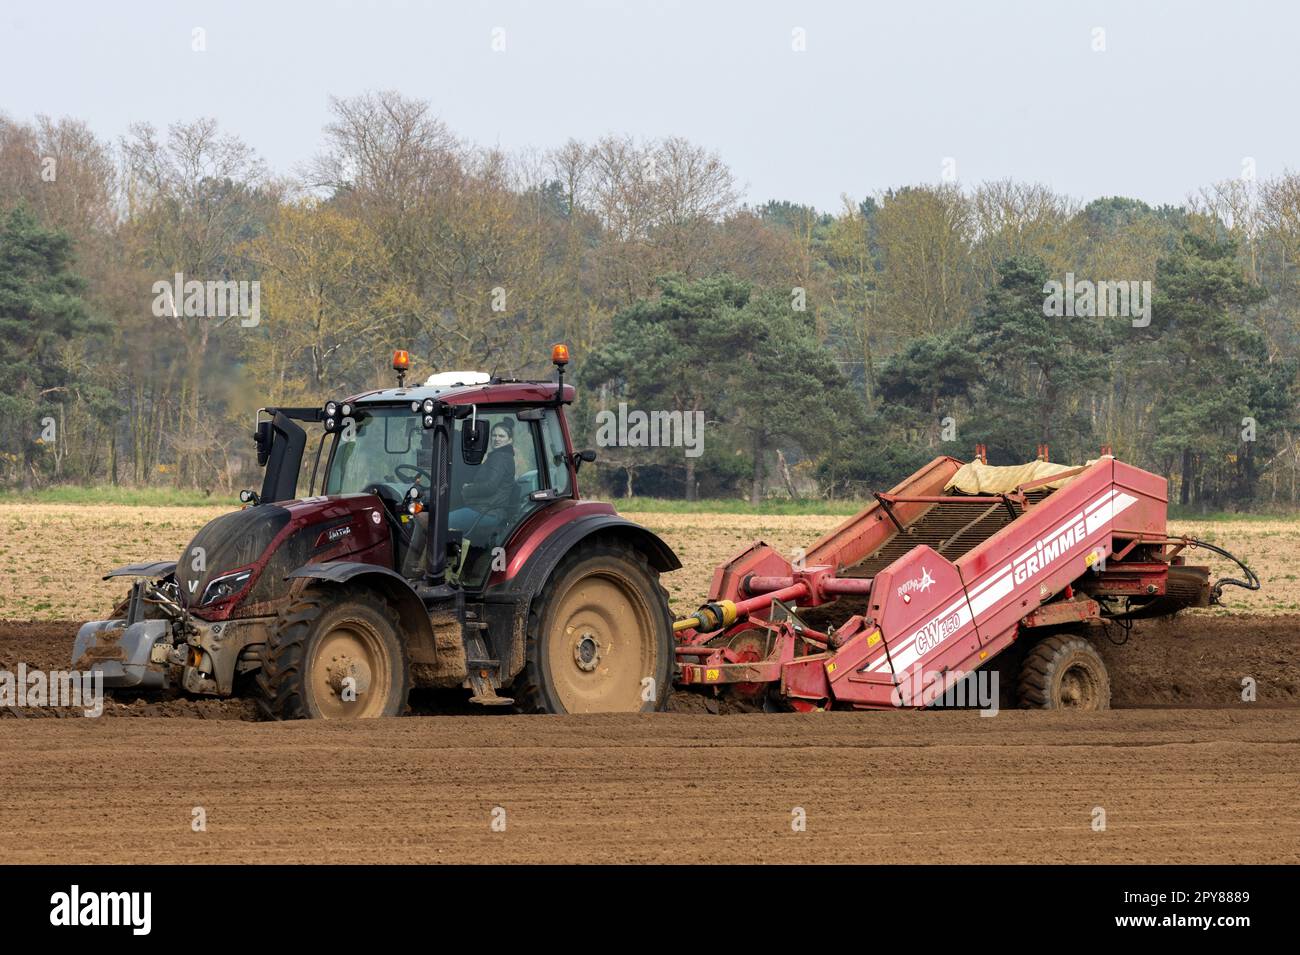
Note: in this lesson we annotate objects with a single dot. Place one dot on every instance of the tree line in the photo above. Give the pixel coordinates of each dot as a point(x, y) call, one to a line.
point(826, 352)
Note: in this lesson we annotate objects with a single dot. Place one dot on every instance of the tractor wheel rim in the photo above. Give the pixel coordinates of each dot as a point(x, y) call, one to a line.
point(601, 645)
point(350, 672)
point(1079, 688)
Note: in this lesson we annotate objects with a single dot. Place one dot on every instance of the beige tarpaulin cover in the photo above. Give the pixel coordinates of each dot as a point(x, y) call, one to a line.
point(979, 478)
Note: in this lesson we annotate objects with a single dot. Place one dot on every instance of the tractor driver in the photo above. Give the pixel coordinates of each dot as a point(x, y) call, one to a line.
point(487, 499)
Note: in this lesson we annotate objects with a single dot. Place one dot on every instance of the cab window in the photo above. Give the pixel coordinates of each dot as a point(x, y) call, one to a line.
point(554, 453)
point(380, 442)
point(490, 499)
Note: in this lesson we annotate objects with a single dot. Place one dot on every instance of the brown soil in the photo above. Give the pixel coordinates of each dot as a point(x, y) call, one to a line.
point(43, 578)
point(1202, 658)
point(47, 645)
point(1175, 786)
point(1216, 784)
point(1184, 770)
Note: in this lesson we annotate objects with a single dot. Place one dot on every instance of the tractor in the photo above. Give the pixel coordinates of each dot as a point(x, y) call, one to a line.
point(441, 542)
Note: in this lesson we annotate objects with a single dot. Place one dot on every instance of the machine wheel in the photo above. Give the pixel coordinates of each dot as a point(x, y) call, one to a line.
point(599, 628)
point(320, 640)
point(1064, 672)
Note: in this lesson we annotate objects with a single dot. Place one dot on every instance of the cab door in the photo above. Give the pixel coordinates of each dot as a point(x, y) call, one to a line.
point(490, 499)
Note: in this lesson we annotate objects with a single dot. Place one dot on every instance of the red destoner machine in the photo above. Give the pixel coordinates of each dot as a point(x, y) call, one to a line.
point(927, 584)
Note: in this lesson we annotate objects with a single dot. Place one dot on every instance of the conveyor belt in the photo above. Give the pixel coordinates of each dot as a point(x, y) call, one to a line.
point(945, 528)
point(940, 524)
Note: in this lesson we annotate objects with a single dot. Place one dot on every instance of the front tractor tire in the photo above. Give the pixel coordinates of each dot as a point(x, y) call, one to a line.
point(599, 631)
point(334, 656)
point(1064, 672)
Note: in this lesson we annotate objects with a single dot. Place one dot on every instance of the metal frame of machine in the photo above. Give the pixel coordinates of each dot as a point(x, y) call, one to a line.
point(943, 583)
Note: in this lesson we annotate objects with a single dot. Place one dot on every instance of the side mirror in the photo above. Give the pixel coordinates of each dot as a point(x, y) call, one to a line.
point(262, 439)
point(579, 456)
point(474, 440)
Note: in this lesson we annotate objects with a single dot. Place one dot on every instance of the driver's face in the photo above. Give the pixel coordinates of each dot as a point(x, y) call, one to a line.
point(499, 438)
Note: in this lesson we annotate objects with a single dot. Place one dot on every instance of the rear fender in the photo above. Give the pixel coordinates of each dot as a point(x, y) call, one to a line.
point(530, 578)
point(508, 603)
point(412, 614)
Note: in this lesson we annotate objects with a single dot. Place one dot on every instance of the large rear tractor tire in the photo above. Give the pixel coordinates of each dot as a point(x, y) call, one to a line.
point(334, 656)
point(597, 633)
point(1064, 672)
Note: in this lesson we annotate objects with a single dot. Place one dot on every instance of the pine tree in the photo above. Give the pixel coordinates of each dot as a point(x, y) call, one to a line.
point(40, 310)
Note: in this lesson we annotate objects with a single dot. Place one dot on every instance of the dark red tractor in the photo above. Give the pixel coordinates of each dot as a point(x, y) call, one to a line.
point(441, 542)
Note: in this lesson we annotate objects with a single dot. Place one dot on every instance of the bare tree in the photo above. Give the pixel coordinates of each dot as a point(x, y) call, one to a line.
point(192, 200)
point(385, 152)
point(659, 204)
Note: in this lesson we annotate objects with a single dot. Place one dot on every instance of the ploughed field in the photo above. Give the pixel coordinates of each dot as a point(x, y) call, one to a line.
point(52, 556)
point(1183, 769)
point(1174, 786)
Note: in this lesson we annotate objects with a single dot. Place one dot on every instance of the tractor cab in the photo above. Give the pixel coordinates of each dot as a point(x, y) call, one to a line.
point(459, 463)
point(497, 461)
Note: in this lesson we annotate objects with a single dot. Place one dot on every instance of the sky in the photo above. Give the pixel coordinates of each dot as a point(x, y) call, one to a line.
point(805, 101)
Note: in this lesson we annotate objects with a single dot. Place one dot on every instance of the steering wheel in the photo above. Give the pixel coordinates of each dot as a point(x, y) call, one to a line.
point(416, 470)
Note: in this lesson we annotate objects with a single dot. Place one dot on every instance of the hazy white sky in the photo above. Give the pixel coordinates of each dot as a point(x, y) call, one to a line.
point(881, 95)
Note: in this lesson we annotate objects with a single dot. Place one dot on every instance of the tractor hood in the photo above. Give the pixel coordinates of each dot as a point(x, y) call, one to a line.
point(247, 554)
point(227, 543)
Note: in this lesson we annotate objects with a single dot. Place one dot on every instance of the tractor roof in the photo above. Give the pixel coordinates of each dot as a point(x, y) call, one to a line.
point(495, 391)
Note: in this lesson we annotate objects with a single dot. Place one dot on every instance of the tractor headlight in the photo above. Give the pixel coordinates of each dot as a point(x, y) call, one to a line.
point(332, 414)
point(225, 586)
point(428, 406)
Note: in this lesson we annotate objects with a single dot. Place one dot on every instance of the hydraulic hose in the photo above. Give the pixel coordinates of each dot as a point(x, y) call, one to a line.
point(1250, 583)
point(1162, 606)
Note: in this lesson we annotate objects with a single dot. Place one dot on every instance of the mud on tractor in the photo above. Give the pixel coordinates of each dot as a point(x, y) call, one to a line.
point(442, 543)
